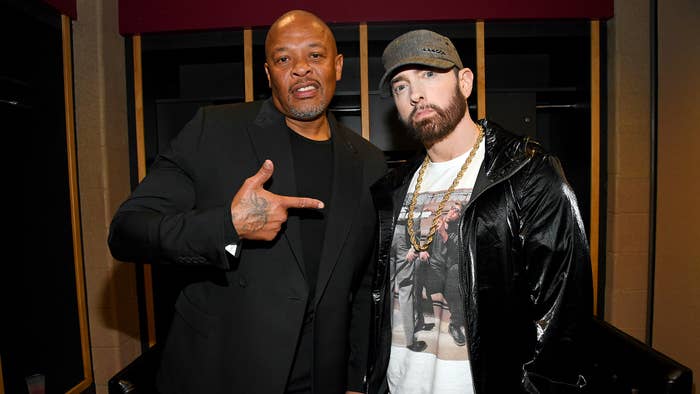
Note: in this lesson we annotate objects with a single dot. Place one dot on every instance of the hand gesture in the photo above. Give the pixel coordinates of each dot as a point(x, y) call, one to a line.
point(258, 214)
point(411, 255)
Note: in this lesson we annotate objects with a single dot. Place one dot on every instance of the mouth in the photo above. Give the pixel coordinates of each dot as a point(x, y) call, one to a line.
point(422, 112)
point(305, 89)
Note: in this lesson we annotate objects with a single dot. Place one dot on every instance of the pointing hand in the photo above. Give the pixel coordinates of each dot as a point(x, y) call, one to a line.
point(258, 214)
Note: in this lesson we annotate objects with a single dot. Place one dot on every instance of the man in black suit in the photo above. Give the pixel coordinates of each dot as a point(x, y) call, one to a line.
point(285, 306)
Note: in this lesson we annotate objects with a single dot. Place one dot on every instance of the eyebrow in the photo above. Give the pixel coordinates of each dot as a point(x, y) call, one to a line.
point(398, 79)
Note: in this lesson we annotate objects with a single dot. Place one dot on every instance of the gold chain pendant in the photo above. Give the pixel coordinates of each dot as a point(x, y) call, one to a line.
point(412, 206)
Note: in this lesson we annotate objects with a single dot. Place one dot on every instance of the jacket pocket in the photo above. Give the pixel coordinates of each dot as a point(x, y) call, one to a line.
point(198, 320)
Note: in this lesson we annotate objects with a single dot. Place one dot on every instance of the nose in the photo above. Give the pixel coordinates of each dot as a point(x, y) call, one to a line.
point(301, 68)
point(416, 94)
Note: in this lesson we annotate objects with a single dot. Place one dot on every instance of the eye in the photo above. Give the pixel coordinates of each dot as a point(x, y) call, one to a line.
point(282, 59)
point(429, 73)
point(399, 88)
point(316, 56)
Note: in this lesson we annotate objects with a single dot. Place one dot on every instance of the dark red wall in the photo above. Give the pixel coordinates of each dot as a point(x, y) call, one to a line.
point(142, 16)
point(66, 7)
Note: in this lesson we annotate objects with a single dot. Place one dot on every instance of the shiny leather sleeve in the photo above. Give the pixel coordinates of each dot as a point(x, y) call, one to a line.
point(361, 318)
point(557, 265)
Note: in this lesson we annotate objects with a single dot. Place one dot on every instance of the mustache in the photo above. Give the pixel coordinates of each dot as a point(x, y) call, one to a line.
point(425, 106)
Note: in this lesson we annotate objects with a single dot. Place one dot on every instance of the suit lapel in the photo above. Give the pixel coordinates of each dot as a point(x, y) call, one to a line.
point(345, 198)
point(270, 139)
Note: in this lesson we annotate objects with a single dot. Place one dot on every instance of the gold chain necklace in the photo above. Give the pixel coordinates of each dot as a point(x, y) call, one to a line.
point(416, 245)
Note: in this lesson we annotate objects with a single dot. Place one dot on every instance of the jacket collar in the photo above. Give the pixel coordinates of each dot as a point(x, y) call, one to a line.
point(505, 154)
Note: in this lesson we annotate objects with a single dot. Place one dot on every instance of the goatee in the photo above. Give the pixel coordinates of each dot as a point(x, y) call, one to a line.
point(308, 113)
point(434, 129)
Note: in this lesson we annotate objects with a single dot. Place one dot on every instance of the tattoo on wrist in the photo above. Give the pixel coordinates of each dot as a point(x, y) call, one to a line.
point(252, 212)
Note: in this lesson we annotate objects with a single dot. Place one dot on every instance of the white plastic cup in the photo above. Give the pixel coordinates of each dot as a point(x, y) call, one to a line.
point(36, 384)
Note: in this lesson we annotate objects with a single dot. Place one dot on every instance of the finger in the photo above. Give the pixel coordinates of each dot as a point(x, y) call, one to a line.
point(301, 202)
point(263, 174)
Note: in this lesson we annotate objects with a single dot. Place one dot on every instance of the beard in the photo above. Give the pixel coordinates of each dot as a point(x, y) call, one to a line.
point(307, 109)
point(308, 113)
point(434, 129)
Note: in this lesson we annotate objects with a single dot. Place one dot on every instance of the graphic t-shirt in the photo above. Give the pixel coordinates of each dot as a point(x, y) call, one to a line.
point(429, 352)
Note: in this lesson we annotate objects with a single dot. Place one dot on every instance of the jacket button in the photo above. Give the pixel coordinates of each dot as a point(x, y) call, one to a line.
point(242, 282)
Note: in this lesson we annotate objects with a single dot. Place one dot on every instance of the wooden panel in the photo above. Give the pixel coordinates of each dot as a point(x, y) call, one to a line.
point(248, 63)
point(364, 81)
point(141, 168)
point(75, 204)
point(480, 71)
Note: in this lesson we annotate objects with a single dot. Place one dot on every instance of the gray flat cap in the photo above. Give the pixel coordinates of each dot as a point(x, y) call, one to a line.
point(421, 48)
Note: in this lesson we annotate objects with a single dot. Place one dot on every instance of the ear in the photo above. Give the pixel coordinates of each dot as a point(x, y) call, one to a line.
point(465, 78)
point(267, 72)
point(338, 66)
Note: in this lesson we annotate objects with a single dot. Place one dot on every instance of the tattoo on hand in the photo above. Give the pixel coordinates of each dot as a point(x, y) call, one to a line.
point(252, 211)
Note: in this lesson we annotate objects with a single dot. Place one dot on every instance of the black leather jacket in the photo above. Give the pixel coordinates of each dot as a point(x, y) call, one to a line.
point(525, 272)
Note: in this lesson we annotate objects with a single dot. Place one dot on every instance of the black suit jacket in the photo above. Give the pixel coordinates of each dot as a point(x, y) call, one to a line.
point(236, 330)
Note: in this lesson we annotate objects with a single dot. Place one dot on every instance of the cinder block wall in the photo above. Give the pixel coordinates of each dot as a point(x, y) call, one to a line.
point(103, 168)
point(677, 285)
point(628, 167)
point(676, 307)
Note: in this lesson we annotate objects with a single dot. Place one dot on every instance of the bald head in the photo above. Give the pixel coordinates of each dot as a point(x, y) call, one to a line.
point(292, 22)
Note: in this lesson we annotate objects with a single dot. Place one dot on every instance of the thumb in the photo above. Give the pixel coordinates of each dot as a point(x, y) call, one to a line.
point(263, 174)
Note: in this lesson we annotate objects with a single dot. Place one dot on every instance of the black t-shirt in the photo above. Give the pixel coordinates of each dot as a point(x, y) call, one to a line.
point(313, 169)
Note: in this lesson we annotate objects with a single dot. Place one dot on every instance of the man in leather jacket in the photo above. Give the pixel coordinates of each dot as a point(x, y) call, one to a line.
point(523, 266)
